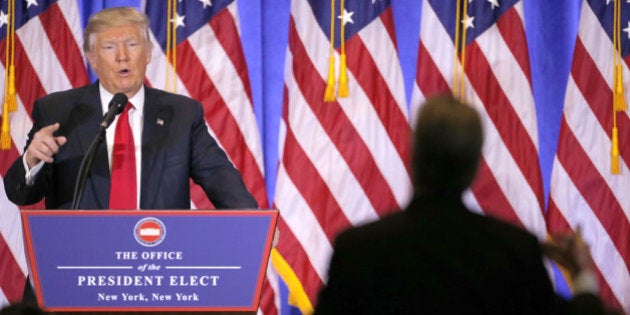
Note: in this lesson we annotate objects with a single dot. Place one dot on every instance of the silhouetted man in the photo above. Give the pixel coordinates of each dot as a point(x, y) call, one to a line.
point(437, 257)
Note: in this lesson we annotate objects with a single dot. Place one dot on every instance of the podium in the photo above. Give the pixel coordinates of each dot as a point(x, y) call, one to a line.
point(149, 260)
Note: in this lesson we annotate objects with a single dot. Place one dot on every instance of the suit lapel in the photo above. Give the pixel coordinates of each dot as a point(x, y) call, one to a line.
point(157, 119)
point(99, 176)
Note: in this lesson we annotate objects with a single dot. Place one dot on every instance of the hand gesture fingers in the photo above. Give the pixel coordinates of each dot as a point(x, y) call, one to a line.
point(44, 145)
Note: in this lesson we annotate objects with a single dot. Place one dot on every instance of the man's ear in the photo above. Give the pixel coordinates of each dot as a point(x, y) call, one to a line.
point(90, 57)
point(148, 56)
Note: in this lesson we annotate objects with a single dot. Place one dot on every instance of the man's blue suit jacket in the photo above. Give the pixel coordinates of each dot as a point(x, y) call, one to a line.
point(176, 147)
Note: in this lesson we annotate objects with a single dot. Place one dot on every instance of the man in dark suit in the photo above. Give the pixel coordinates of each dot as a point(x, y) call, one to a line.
point(437, 257)
point(171, 141)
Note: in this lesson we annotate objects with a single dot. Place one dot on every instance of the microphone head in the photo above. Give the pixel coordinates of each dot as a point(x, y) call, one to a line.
point(119, 100)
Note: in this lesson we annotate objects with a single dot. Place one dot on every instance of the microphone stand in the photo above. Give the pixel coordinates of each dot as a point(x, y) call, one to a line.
point(86, 165)
point(115, 107)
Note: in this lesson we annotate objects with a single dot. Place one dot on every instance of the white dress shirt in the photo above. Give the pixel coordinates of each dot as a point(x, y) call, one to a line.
point(135, 120)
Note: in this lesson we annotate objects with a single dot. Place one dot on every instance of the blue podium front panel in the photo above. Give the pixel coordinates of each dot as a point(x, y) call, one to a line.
point(148, 260)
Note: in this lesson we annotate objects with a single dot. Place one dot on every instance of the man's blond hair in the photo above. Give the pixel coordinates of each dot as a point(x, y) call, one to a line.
point(112, 17)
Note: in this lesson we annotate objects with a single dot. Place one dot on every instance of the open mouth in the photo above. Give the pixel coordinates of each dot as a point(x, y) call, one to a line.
point(123, 71)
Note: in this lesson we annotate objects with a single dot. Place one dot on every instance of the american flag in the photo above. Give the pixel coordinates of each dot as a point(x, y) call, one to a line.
point(47, 58)
point(584, 193)
point(210, 68)
point(343, 162)
point(497, 83)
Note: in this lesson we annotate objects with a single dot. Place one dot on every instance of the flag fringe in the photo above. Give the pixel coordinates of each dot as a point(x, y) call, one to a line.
point(343, 78)
point(614, 152)
point(297, 295)
point(329, 95)
point(619, 99)
point(5, 135)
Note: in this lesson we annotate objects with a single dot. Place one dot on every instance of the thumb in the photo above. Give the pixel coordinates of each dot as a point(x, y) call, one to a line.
point(50, 129)
point(61, 140)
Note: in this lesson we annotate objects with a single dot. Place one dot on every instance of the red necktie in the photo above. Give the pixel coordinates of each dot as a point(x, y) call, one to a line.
point(122, 194)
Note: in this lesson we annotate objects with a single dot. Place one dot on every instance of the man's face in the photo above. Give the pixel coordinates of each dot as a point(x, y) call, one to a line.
point(119, 57)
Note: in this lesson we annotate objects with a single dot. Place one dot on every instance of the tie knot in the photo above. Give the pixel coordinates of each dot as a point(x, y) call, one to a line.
point(127, 107)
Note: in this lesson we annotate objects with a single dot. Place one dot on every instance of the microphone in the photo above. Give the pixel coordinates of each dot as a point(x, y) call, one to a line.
point(116, 106)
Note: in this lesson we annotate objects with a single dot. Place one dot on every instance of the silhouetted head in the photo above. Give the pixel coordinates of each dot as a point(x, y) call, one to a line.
point(446, 146)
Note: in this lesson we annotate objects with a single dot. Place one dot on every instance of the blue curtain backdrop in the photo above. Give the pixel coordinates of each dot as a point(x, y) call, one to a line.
point(551, 28)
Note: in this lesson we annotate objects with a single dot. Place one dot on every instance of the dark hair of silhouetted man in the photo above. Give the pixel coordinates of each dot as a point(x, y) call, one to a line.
point(447, 146)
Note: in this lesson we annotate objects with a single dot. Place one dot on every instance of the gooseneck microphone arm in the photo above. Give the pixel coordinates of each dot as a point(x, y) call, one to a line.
point(116, 106)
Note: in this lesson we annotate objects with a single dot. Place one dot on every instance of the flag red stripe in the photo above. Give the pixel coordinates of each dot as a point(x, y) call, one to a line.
point(13, 280)
point(199, 197)
point(339, 128)
point(560, 225)
point(267, 299)
point(27, 83)
point(224, 27)
point(313, 189)
point(64, 45)
point(387, 18)
point(623, 126)
point(595, 191)
point(491, 198)
point(362, 65)
point(7, 157)
point(513, 34)
point(592, 85)
point(555, 220)
point(504, 118)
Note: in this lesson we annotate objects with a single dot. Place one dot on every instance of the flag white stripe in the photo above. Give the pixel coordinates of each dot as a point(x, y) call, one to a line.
point(438, 43)
point(368, 125)
point(358, 108)
point(604, 253)
point(42, 56)
point(233, 9)
point(597, 44)
point(19, 120)
point(226, 80)
point(383, 51)
point(318, 51)
point(21, 124)
point(11, 229)
point(511, 78)
point(589, 133)
point(156, 76)
point(72, 16)
point(508, 175)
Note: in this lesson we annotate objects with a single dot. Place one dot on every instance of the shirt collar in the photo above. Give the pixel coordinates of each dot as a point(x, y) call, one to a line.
point(137, 100)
